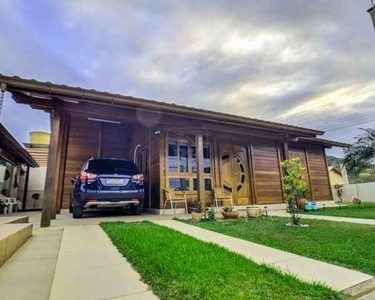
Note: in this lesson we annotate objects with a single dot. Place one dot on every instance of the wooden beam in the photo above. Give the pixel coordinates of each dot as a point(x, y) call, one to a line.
point(64, 148)
point(118, 113)
point(50, 183)
point(200, 173)
point(36, 103)
point(253, 177)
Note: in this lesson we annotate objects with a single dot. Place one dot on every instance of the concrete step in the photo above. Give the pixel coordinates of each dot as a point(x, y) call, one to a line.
point(12, 220)
point(12, 237)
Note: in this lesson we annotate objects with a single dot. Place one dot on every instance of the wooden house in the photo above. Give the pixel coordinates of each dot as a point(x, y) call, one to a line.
point(188, 149)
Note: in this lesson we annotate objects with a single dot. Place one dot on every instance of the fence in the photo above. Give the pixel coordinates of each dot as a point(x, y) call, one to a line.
point(364, 191)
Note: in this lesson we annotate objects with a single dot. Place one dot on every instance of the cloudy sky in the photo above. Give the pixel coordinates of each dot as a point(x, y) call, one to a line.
point(308, 63)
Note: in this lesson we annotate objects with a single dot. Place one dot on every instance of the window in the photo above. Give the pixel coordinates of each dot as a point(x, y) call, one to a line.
point(183, 158)
point(172, 156)
point(179, 184)
point(182, 165)
point(120, 166)
point(207, 184)
point(206, 159)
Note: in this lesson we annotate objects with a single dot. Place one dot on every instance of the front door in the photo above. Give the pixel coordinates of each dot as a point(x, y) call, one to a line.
point(234, 173)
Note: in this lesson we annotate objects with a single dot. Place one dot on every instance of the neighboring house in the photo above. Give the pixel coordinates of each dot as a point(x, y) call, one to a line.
point(239, 154)
point(335, 175)
point(14, 163)
point(34, 189)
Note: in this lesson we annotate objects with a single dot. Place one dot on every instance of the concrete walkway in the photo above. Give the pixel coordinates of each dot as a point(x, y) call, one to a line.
point(307, 269)
point(327, 218)
point(90, 267)
point(28, 274)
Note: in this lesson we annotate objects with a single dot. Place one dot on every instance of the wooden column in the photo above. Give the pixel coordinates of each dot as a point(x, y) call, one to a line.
point(200, 173)
point(50, 188)
point(64, 145)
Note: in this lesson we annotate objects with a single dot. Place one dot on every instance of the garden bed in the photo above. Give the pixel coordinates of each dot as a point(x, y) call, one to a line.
point(345, 244)
point(177, 266)
point(363, 211)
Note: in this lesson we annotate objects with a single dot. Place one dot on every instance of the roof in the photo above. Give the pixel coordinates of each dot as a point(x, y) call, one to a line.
point(16, 83)
point(324, 142)
point(10, 145)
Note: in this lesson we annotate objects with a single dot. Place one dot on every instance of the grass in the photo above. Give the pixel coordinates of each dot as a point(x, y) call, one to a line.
point(345, 244)
point(177, 266)
point(363, 211)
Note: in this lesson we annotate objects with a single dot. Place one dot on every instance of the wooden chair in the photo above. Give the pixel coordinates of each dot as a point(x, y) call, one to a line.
point(222, 195)
point(171, 197)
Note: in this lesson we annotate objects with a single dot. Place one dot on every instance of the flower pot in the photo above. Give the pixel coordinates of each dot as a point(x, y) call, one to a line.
point(253, 211)
point(230, 214)
point(301, 203)
point(355, 200)
point(197, 217)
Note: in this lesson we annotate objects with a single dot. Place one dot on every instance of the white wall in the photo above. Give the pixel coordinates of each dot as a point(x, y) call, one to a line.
point(364, 191)
point(37, 179)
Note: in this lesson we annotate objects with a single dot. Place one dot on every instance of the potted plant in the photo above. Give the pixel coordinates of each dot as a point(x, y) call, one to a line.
point(229, 213)
point(197, 213)
point(339, 190)
point(253, 211)
point(302, 199)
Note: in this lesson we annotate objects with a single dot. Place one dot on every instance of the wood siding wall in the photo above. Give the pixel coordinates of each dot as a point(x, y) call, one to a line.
point(319, 179)
point(300, 152)
point(88, 138)
point(266, 169)
point(83, 142)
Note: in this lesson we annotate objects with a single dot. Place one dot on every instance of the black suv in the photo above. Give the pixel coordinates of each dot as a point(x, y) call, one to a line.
point(108, 182)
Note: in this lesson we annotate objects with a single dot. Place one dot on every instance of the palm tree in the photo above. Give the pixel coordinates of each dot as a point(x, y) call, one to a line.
point(361, 154)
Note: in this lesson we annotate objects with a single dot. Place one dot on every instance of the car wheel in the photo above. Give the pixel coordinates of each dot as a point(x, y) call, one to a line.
point(137, 210)
point(77, 212)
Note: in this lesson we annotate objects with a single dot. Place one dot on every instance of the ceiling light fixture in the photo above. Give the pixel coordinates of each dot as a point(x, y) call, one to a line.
point(104, 121)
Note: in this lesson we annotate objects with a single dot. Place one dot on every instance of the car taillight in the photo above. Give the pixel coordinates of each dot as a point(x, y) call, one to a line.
point(138, 177)
point(87, 176)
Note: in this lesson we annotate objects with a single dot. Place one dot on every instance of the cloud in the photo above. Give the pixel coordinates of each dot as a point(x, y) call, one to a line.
point(282, 60)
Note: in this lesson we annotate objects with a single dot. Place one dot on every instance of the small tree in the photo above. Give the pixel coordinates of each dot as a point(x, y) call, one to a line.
point(294, 186)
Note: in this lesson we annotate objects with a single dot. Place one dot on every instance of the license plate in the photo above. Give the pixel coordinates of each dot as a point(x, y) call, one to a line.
point(115, 181)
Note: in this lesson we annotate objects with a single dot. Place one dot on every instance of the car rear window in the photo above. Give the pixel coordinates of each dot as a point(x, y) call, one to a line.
point(112, 166)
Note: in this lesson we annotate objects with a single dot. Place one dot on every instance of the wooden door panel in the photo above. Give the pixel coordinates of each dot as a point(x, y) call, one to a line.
point(301, 154)
point(234, 172)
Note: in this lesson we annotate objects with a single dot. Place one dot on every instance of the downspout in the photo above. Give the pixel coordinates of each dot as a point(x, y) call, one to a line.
point(25, 188)
point(135, 151)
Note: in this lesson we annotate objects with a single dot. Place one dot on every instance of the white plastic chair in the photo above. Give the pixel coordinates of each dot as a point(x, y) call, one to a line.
point(171, 197)
point(11, 203)
point(222, 195)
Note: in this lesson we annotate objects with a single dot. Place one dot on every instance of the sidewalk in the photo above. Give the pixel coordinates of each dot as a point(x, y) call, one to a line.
point(90, 267)
point(28, 274)
point(307, 269)
point(327, 218)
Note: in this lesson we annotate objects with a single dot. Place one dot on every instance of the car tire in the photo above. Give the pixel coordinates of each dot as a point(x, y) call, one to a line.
point(77, 212)
point(137, 210)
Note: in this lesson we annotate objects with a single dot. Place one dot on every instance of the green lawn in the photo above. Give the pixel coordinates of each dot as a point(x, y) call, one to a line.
point(364, 211)
point(177, 266)
point(345, 244)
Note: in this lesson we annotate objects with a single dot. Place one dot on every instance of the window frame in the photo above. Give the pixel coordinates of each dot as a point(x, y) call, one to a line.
point(190, 174)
